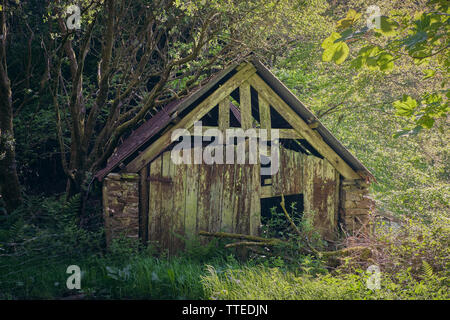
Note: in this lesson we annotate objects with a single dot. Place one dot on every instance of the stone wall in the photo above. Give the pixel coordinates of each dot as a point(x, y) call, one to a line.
point(355, 206)
point(121, 205)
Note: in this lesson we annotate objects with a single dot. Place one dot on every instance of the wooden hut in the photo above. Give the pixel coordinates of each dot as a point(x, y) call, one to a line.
point(147, 195)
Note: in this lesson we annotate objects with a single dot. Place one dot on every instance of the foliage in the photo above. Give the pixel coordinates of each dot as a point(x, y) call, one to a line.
point(303, 238)
point(126, 61)
point(125, 270)
point(422, 36)
point(42, 232)
point(365, 106)
point(276, 284)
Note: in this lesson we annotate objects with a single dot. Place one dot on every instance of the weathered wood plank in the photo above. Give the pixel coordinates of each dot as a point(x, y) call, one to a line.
point(143, 204)
point(190, 215)
point(204, 196)
point(298, 176)
point(154, 206)
point(179, 203)
point(309, 164)
point(237, 195)
point(302, 127)
point(266, 192)
point(216, 191)
point(166, 225)
point(243, 202)
point(227, 198)
point(283, 133)
point(245, 106)
point(188, 121)
point(319, 180)
point(264, 115)
point(288, 134)
point(329, 182)
point(277, 179)
point(255, 202)
point(224, 114)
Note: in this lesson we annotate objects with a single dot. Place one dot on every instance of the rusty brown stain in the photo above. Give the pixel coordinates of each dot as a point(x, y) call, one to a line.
point(178, 198)
point(204, 197)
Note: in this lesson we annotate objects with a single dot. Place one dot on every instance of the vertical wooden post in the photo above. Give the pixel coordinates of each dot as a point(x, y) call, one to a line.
point(179, 204)
point(143, 205)
point(255, 204)
point(154, 205)
point(264, 115)
point(246, 106)
point(190, 215)
point(166, 202)
point(224, 114)
point(228, 198)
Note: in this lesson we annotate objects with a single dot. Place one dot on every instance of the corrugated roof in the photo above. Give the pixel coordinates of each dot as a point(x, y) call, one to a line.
point(164, 117)
point(160, 120)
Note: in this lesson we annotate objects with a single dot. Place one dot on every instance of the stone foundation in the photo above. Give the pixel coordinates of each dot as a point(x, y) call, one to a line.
point(355, 206)
point(121, 205)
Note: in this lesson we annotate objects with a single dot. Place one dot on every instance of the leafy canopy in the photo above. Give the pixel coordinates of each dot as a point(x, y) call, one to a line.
point(421, 38)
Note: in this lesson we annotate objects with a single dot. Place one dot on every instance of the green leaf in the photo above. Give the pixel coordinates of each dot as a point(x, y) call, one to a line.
point(400, 133)
point(426, 121)
point(369, 51)
point(406, 106)
point(334, 51)
point(337, 52)
point(407, 132)
point(327, 54)
point(388, 27)
point(351, 17)
point(385, 61)
point(412, 41)
point(341, 53)
point(357, 63)
point(328, 42)
point(428, 74)
point(372, 63)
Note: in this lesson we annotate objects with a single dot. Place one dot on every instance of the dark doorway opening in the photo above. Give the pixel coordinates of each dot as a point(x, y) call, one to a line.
point(271, 209)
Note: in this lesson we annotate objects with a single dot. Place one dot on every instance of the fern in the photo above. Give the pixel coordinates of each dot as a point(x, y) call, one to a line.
point(16, 231)
point(71, 209)
point(427, 270)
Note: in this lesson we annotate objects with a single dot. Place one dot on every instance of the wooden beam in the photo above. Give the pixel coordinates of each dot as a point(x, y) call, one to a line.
point(302, 127)
point(266, 192)
point(224, 113)
point(264, 115)
point(288, 134)
point(196, 114)
point(245, 106)
point(283, 133)
point(143, 204)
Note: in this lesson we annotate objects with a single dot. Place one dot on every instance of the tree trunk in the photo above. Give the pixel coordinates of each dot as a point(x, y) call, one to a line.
point(9, 182)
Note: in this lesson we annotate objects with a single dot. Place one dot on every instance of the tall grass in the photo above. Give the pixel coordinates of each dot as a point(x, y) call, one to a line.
point(260, 282)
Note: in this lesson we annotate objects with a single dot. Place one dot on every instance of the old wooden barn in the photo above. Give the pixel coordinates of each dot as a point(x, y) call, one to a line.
point(147, 195)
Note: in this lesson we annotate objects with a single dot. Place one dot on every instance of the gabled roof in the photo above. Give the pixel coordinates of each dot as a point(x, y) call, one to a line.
point(170, 112)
